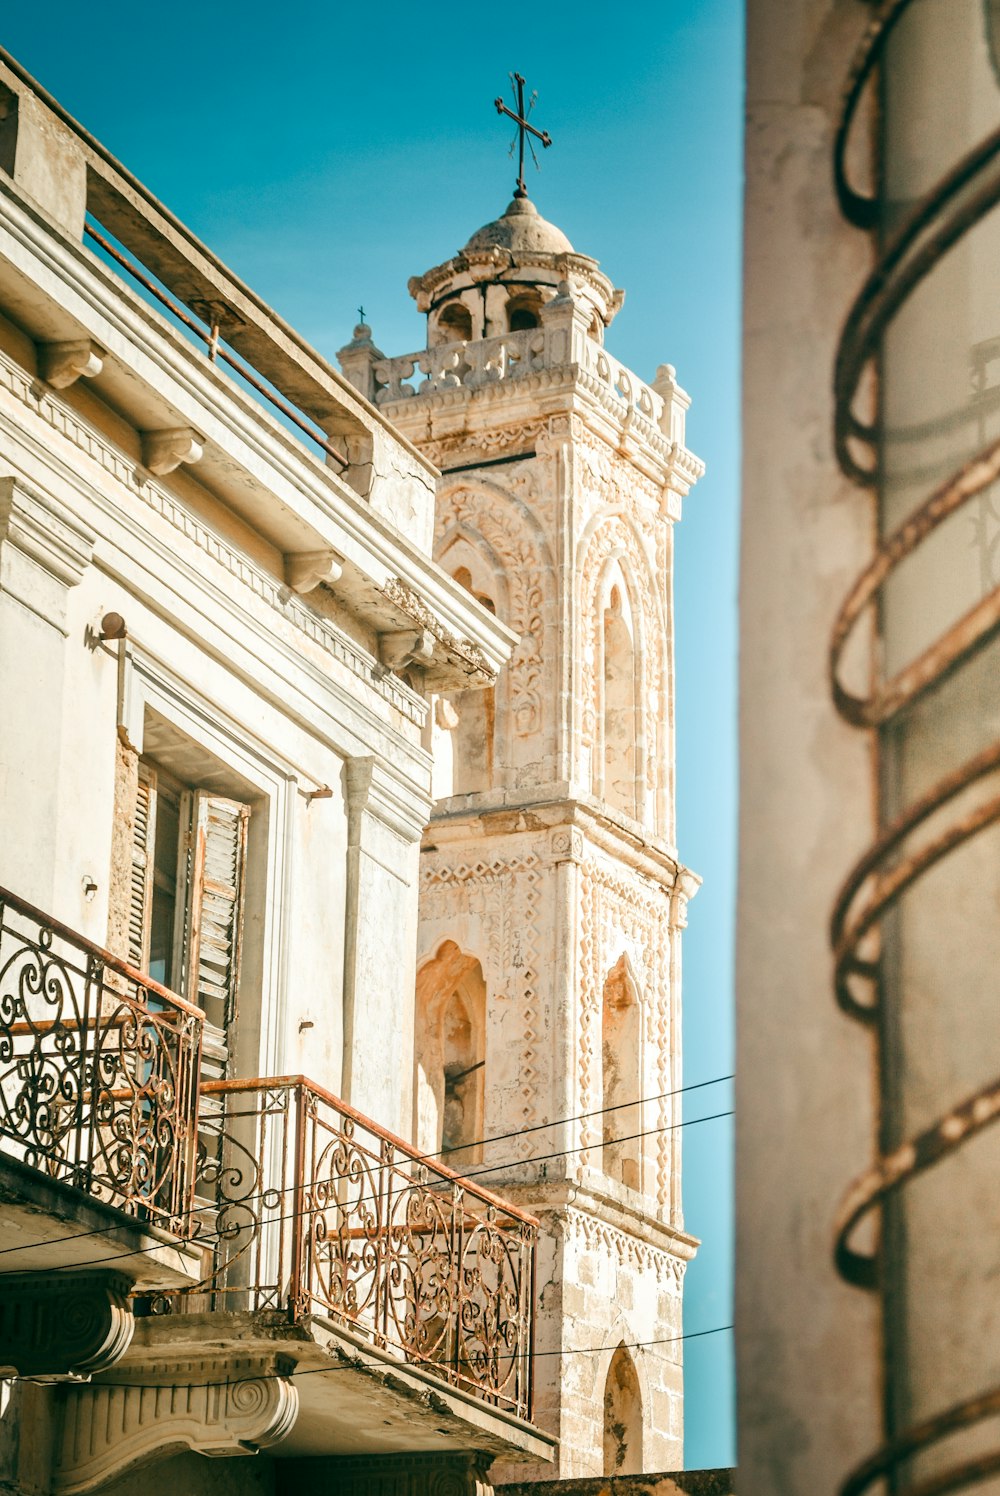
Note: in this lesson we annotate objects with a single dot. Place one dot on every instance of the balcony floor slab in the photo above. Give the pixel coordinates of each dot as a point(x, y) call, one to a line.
point(354, 1399)
point(47, 1225)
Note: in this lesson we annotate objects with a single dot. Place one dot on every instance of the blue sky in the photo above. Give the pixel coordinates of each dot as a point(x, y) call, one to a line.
point(328, 153)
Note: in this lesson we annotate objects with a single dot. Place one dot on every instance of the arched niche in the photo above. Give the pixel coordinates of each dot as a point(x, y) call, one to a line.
point(622, 1417)
point(613, 555)
point(450, 1048)
point(621, 1072)
point(463, 741)
point(620, 696)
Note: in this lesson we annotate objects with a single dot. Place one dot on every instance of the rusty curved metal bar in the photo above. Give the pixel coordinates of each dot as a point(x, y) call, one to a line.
point(974, 630)
point(933, 227)
point(894, 1169)
point(948, 212)
point(923, 1436)
point(861, 208)
point(846, 934)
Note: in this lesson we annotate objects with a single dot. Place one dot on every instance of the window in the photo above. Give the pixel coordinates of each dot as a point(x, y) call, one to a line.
point(619, 688)
point(455, 324)
point(523, 311)
point(470, 718)
point(186, 896)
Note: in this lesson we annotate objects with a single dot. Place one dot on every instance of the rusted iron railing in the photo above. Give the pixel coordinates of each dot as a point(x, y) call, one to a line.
point(961, 805)
point(98, 1070)
point(315, 1210)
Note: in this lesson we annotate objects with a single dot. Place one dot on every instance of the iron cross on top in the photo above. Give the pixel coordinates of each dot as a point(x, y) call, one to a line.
point(520, 118)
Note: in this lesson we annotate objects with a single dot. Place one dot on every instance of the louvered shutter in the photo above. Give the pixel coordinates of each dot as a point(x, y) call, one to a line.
point(141, 882)
point(216, 908)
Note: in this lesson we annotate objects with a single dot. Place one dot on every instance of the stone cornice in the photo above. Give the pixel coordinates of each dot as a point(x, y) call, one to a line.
point(669, 463)
point(64, 1324)
point(245, 445)
point(558, 806)
point(313, 625)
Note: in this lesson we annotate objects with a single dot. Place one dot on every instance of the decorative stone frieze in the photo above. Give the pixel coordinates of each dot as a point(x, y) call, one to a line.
point(215, 1406)
point(70, 1324)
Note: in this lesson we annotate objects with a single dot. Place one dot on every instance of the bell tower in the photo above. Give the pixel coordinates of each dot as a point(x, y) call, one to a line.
point(553, 899)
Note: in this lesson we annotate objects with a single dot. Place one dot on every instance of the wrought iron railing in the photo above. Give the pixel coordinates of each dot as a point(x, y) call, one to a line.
point(98, 1070)
point(314, 1210)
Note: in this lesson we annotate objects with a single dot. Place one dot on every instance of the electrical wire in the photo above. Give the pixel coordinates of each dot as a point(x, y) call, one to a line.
point(700, 1085)
point(389, 1364)
point(213, 1237)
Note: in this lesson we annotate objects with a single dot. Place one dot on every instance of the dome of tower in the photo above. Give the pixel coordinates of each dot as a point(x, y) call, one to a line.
point(523, 230)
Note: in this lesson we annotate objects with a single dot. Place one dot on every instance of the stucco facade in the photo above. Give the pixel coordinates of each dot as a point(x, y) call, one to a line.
point(220, 625)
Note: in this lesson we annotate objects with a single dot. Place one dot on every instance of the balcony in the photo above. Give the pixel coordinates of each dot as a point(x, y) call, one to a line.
point(98, 1091)
point(378, 1303)
point(98, 1128)
point(311, 1211)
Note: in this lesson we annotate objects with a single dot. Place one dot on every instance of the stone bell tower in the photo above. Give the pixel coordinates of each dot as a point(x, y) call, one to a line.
point(552, 903)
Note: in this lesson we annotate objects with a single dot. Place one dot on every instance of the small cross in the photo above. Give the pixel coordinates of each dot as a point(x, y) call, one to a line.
point(520, 118)
point(361, 314)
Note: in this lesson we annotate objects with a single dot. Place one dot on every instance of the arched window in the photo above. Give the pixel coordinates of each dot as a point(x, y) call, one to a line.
point(622, 1076)
point(450, 1054)
point(524, 311)
point(622, 1417)
point(619, 703)
point(454, 325)
point(470, 718)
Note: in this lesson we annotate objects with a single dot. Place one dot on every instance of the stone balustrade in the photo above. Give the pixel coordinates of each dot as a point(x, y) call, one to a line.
point(454, 366)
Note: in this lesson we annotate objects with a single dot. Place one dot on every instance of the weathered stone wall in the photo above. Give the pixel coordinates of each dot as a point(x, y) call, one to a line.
point(676, 1483)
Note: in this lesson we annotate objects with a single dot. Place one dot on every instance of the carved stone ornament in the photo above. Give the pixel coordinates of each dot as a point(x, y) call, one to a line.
point(163, 451)
point(64, 1324)
point(62, 364)
point(225, 1406)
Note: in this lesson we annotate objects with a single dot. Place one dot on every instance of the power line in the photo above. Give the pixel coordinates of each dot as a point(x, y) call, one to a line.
point(213, 1237)
point(357, 1364)
point(425, 1158)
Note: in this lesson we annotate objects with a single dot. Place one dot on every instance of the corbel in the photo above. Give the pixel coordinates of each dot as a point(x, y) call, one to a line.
point(62, 364)
point(400, 648)
point(165, 450)
point(306, 570)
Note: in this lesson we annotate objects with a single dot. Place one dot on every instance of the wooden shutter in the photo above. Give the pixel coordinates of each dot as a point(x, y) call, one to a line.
point(216, 909)
point(141, 883)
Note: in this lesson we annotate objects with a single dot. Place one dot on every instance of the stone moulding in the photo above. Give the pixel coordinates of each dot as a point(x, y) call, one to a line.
point(224, 1406)
point(269, 589)
point(64, 1324)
